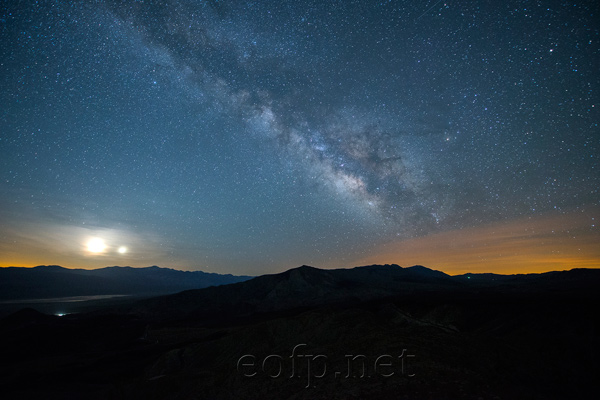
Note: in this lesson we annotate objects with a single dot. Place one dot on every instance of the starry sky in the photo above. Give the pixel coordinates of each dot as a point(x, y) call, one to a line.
point(250, 137)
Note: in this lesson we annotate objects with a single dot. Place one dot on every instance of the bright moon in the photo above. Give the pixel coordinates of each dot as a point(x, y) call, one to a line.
point(96, 245)
point(122, 250)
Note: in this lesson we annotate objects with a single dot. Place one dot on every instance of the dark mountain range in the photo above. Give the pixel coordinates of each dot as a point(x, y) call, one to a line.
point(369, 332)
point(296, 288)
point(51, 281)
point(306, 286)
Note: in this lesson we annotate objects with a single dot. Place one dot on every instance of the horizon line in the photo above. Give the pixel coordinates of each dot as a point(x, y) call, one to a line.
point(289, 269)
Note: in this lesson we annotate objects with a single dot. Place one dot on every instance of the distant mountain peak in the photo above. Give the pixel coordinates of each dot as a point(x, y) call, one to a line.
point(303, 272)
point(55, 267)
point(306, 267)
point(423, 269)
point(381, 266)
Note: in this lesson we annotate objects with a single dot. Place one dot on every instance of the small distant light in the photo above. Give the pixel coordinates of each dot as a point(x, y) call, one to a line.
point(60, 315)
point(122, 250)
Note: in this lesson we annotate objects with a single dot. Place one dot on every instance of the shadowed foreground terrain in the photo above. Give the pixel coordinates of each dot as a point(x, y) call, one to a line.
point(368, 332)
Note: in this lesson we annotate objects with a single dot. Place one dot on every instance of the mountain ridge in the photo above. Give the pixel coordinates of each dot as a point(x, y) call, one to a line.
point(463, 335)
point(53, 281)
point(306, 287)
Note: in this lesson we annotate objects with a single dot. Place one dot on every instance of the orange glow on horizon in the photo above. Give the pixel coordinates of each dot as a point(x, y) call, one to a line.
point(528, 245)
point(536, 244)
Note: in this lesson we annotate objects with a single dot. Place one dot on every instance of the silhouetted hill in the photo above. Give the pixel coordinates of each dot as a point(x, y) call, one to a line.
point(296, 288)
point(473, 336)
point(23, 318)
point(53, 281)
point(306, 287)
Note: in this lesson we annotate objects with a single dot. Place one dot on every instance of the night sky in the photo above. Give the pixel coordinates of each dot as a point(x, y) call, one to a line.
point(250, 137)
